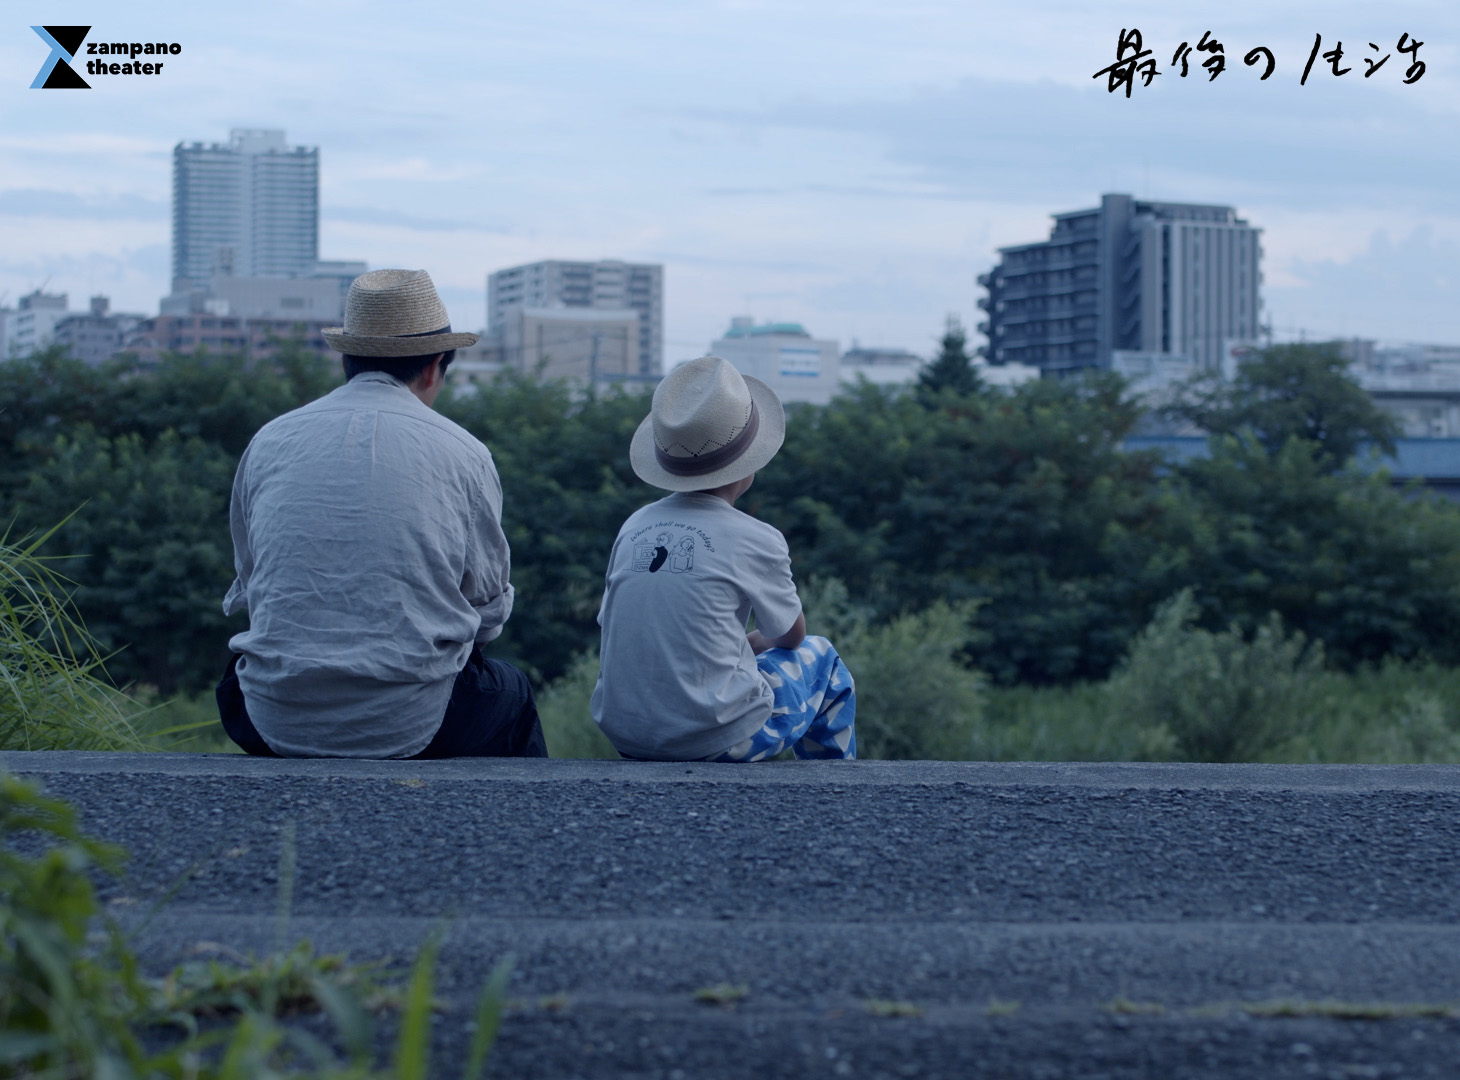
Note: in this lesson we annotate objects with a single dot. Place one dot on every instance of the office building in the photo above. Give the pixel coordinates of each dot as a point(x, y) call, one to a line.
point(783, 355)
point(245, 208)
point(1176, 279)
point(257, 339)
point(305, 298)
point(97, 335)
point(609, 283)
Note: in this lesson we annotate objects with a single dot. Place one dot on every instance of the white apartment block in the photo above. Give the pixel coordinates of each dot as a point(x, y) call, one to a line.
point(32, 325)
point(607, 284)
point(597, 346)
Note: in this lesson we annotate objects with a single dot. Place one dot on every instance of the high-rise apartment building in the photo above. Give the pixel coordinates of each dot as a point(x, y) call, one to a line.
point(247, 208)
point(608, 283)
point(1178, 279)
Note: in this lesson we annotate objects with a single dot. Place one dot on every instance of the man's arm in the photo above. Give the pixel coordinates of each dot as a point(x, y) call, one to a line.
point(237, 597)
point(485, 583)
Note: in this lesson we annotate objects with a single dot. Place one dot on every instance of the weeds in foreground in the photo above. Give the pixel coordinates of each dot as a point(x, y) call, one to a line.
point(71, 1010)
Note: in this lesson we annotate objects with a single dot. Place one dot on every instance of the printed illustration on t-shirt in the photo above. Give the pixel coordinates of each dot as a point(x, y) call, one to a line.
point(682, 558)
point(666, 551)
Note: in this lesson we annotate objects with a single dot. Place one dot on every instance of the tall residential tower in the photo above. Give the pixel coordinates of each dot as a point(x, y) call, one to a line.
point(248, 208)
point(1178, 279)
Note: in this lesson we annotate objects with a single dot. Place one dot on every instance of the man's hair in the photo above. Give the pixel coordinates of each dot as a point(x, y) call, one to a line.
point(404, 368)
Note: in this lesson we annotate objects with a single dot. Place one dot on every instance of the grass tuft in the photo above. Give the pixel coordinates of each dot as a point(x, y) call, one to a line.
point(1125, 1007)
point(52, 695)
point(1351, 1010)
point(725, 995)
point(882, 1007)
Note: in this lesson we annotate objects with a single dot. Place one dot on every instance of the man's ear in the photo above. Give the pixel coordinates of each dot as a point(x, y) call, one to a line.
point(433, 373)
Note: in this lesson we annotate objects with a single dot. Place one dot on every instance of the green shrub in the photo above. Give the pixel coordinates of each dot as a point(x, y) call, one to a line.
point(1065, 723)
point(915, 697)
point(566, 722)
point(1396, 713)
point(1393, 713)
point(187, 722)
point(1222, 696)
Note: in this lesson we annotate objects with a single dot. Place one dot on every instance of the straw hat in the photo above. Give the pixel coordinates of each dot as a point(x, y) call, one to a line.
point(395, 313)
point(709, 426)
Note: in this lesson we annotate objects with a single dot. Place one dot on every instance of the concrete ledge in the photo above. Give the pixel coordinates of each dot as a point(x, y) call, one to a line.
point(1167, 776)
point(1039, 919)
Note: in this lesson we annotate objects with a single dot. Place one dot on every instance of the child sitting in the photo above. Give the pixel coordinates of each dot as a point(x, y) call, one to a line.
point(680, 678)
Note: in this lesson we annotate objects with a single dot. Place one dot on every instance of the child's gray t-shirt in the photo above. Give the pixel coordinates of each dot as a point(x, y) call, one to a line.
point(677, 679)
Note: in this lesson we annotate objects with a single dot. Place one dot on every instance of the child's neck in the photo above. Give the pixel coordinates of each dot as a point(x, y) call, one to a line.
point(730, 492)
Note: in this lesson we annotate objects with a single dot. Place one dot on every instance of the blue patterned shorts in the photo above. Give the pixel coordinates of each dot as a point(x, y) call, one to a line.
point(815, 704)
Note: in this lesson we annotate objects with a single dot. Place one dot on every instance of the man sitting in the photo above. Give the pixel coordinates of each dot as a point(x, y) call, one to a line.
point(369, 550)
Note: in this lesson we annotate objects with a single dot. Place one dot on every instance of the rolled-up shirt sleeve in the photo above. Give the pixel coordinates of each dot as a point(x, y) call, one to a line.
point(485, 582)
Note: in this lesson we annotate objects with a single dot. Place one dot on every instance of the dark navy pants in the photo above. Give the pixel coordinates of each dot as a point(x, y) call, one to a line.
point(491, 714)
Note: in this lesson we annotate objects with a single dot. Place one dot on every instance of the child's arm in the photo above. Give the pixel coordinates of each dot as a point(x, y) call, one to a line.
point(793, 637)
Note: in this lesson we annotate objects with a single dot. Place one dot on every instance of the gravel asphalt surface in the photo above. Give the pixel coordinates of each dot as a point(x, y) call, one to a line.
point(884, 919)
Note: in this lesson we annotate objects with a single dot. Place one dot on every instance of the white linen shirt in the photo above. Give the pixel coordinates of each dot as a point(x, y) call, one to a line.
point(369, 551)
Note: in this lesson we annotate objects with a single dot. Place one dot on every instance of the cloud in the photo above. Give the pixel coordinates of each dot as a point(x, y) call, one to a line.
point(132, 277)
point(1404, 290)
point(371, 215)
point(418, 169)
point(40, 202)
point(780, 266)
point(1328, 144)
point(860, 191)
point(466, 306)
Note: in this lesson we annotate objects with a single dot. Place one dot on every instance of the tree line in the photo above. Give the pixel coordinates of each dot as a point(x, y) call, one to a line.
point(1019, 507)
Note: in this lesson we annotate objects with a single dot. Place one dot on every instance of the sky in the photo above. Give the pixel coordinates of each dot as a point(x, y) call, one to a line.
point(851, 166)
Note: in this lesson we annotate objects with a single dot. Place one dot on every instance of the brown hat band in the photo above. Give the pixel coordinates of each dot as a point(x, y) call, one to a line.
point(700, 464)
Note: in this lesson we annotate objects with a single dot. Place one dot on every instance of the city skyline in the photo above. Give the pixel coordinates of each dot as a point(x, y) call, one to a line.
point(846, 167)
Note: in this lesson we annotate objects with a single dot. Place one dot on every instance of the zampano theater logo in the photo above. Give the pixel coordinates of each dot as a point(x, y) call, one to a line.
point(65, 42)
